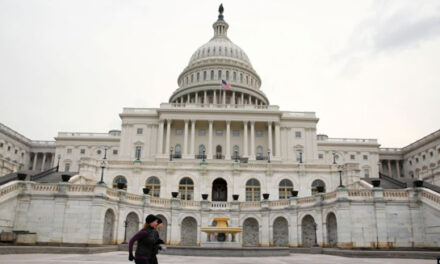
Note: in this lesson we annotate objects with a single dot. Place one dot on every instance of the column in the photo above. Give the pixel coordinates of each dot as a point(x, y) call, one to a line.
point(210, 140)
point(160, 138)
point(245, 138)
point(167, 144)
point(277, 140)
point(43, 162)
point(398, 168)
point(252, 156)
point(205, 98)
point(224, 97)
point(269, 136)
point(389, 169)
point(185, 138)
point(233, 98)
point(34, 166)
point(197, 98)
point(193, 136)
point(242, 98)
point(228, 140)
point(214, 97)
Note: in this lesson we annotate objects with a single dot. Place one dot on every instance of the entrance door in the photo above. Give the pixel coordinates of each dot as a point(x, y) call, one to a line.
point(219, 190)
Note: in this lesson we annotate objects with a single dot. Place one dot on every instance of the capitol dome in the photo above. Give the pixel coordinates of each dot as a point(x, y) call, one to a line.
point(216, 61)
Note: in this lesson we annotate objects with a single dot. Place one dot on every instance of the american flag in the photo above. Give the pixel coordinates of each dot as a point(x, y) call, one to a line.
point(226, 85)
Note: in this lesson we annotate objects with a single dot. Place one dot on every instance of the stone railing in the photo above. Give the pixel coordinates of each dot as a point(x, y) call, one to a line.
point(80, 188)
point(45, 187)
point(431, 196)
point(189, 204)
point(396, 194)
point(133, 197)
point(250, 205)
point(329, 196)
point(360, 193)
point(220, 205)
point(279, 203)
point(8, 188)
point(306, 200)
point(112, 192)
point(160, 202)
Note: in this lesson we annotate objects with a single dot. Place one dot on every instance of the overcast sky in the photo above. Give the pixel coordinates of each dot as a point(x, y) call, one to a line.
point(369, 69)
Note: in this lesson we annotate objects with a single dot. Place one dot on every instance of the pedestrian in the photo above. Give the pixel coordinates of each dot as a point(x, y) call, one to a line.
point(147, 238)
point(157, 246)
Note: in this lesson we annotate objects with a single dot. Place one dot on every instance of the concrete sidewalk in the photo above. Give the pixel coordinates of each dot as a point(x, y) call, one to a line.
point(122, 257)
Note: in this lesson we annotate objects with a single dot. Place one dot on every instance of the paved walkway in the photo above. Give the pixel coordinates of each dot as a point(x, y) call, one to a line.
point(121, 257)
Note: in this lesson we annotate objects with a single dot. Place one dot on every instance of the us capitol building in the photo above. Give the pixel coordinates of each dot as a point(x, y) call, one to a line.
point(264, 168)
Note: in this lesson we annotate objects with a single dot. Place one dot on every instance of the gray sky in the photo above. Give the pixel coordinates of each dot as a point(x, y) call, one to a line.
point(368, 69)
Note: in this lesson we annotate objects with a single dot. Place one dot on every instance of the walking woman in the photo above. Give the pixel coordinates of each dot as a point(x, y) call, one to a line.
point(147, 239)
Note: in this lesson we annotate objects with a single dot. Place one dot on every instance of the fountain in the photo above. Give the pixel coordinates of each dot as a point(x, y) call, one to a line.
point(221, 235)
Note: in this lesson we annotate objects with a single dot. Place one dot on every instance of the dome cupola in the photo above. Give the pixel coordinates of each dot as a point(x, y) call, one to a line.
point(216, 62)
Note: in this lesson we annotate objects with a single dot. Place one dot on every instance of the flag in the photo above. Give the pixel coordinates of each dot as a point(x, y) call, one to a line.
point(226, 85)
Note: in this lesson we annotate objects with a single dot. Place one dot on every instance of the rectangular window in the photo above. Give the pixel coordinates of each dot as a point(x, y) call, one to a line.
point(227, 75)
point(115, 152)
point(219, 132)
point(139, 131)
point(219, 75)
point(299, 155)
point(259, 133)
point(83, 151)
point(202, 132)
point(241, 77)
point(366, 173)
point(321, 156)
point(67, 167)
point(365, 157)
point(352, 157)
point(198, 76)
point(69, 150)
point(235, 133)
point(179, 132)
point(212, 75)
point(298, 134)
point(137, 153)
point(234, 76)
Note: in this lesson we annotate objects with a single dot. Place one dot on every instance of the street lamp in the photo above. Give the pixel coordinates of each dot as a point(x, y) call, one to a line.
point(236, 155)
point(300, 157)
point(379, 164)
point(268, 155)
point(203, 157)
point(340, 176)
point(334, 157)
point(103, 165)
point(58, 164)
point(171, 153)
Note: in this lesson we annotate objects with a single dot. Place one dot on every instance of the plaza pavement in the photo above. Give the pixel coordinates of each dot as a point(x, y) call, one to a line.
point(121, 257)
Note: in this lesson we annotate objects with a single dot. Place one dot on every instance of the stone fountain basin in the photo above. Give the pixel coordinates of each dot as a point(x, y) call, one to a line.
point(222, 229)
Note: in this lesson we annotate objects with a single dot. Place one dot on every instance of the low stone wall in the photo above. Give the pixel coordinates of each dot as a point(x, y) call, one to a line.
point(230, 252)
point(55, 250)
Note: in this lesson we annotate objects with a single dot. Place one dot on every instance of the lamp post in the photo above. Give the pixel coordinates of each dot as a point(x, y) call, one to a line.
point(334, 157)
point(103, 164)
point(300, 157)
point(268, 155)
point(379, 164)
point(236, 155)
point(171, 153)
point(58, 164)
point(340, 176)
point(203, 155)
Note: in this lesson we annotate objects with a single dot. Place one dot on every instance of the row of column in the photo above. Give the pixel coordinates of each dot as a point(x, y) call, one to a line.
point(390, 172)
point(43, 162)
point(210, 149)
point(219, 97)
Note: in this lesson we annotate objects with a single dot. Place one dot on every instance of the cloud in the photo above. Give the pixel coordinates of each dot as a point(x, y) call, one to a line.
point(389, 29)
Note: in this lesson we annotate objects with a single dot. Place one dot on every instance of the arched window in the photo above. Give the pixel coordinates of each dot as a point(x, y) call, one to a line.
point(260, 152)
point(212, 75)
point(285, 189)
point(252, 190)
point(241, 77)
point(192, 78)
point(186, 189)
point(154, 184)
point(178, 151)
point(120, 179)
point(315, 185)
point(198, 76)
point(227, 75)
point(219, 77)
